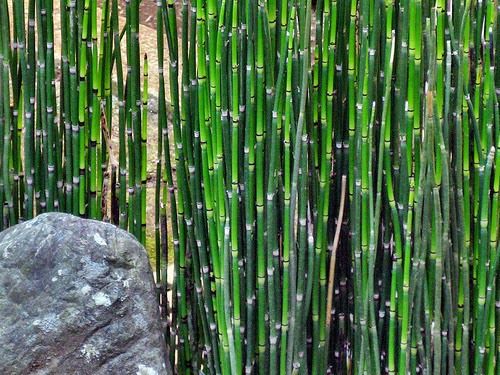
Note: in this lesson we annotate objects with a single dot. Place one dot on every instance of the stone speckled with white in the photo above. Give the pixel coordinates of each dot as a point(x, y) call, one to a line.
point(77, 297)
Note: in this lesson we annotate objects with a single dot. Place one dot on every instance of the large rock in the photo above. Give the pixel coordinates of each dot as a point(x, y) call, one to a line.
point(77, 297)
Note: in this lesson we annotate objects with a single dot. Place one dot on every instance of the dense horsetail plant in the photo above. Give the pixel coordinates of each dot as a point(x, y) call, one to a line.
point(279, 100)
point(56, 116)
point(327, 173)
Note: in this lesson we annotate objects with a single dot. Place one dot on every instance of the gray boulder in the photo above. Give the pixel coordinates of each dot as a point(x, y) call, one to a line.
point(77, 297)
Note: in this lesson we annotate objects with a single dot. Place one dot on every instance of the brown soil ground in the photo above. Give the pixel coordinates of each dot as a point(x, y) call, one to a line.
point(147, 16)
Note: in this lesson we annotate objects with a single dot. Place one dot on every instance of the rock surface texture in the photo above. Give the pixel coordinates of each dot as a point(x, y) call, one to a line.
point(77, 297)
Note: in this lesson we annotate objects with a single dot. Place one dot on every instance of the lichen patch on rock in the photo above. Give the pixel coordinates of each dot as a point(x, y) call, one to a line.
point(101, 299)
